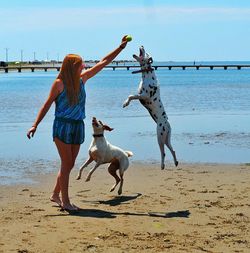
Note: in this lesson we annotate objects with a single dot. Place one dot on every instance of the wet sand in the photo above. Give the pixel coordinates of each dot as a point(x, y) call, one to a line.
point(192, 208)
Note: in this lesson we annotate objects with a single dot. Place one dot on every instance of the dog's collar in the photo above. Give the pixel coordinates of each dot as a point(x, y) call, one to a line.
point(143, 70)
point(97, 135)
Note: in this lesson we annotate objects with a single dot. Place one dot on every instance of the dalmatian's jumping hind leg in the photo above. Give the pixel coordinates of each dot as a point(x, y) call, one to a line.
point(161, 145)
point(168, 144)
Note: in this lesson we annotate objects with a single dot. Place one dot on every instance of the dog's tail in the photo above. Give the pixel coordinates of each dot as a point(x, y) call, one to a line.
point(129, 153)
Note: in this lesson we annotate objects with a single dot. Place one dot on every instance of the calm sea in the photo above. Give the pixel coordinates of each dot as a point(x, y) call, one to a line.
point(209, 111)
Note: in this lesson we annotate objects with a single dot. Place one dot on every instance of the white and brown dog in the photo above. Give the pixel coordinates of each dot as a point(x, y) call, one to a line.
point(149, 96)
point(101, 151)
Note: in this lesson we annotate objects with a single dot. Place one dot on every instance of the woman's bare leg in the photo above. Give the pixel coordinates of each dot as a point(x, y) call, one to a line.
point(67, 162)
point(55, 197)
point(74, 151)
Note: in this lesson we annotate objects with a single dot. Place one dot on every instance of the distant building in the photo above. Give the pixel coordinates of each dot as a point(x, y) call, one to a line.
point(36, 62)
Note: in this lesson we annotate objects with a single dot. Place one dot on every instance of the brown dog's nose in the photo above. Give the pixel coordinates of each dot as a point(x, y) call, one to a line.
point(94, 121)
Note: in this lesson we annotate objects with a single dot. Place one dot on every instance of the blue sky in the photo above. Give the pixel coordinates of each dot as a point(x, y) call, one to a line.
point(169, 30)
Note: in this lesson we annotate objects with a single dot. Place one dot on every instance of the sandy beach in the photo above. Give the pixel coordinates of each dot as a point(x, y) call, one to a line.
point(192, 208)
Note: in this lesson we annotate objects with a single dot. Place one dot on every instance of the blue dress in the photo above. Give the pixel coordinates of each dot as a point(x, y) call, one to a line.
point(68, 124)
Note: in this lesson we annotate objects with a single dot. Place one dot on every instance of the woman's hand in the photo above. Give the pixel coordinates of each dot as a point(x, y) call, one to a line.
point(124, 42)
point(31, 132)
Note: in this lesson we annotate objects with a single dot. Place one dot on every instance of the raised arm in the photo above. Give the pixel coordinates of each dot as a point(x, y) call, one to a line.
point(105, 61)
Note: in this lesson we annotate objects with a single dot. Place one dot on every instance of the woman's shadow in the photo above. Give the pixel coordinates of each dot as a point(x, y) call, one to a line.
point(118, 200)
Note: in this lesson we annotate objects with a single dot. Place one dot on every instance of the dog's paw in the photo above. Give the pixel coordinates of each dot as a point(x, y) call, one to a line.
point(87, 179)
point(126, 103)
point(78, 177)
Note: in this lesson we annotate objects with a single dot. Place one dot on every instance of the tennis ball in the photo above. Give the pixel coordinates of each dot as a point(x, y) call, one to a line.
point(128, 38)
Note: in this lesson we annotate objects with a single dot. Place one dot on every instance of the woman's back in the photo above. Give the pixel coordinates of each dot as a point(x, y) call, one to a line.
point(65, 110)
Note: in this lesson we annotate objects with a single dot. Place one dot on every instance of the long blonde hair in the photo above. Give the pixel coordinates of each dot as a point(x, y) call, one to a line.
point(70, 76)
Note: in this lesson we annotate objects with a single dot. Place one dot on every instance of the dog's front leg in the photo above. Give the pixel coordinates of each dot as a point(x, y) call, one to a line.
point(130, 97)
point(91, 172)
point(84, 166)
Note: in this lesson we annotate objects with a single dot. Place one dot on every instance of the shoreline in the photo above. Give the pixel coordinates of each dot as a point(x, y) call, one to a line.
point(191, 208)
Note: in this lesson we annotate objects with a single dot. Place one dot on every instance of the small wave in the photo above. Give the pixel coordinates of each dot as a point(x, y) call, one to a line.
point(239, 140)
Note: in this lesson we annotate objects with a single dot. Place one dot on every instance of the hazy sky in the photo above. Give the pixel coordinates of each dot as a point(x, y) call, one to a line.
point(170, 30)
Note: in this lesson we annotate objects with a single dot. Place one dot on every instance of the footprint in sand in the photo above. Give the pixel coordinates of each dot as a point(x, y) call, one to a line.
point(38, 210)
point(22, 251)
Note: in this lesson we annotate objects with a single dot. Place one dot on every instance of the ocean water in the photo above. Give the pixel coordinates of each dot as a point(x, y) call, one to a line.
point(209, 112)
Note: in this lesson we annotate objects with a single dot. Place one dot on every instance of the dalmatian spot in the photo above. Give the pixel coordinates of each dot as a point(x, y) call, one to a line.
point(155, 99)
point(146, 91)
point(161, 133)
point(160, 106)
point(151, 87)
point(160, 124)
point(163, 113)
point(155, 88)
point(153, 78)
point(163, 128)
point(151, 93)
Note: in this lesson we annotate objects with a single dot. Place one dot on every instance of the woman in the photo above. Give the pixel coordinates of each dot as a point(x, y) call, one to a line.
point(68, 93)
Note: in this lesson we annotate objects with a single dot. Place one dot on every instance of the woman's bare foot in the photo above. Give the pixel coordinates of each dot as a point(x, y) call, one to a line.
point(70, 207)
point(55, 198)
point(78, 208)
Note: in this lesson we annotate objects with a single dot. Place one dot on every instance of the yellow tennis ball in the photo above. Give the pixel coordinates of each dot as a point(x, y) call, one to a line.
point(128, 38)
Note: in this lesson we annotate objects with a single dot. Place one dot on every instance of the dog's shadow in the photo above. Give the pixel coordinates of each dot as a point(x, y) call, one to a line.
point(117, 200)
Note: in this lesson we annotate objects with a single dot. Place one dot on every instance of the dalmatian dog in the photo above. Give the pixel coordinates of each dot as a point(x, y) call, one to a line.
point(149, 96)
point(101, 151)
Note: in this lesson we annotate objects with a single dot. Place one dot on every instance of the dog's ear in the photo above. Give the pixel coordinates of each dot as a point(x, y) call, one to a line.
point(105, 127)
point(150, 60)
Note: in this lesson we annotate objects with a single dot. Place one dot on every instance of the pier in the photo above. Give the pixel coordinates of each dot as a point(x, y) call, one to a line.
point(127, 67)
